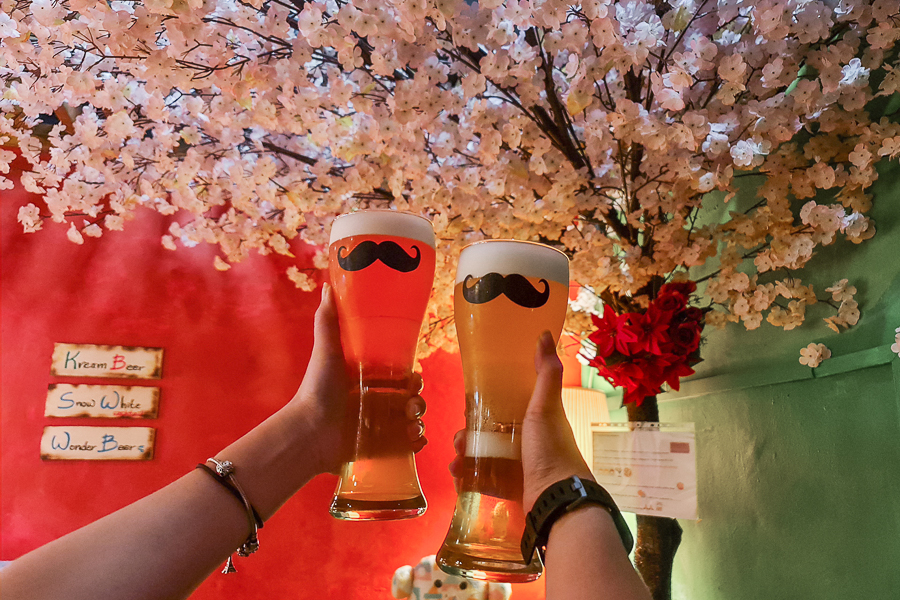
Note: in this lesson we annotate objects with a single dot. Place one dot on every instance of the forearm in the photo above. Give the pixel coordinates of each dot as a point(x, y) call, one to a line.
point(585, 559)
point(277, 458)
point(166, 544)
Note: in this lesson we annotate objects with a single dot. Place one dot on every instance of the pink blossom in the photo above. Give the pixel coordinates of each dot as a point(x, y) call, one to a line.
point(814, 354)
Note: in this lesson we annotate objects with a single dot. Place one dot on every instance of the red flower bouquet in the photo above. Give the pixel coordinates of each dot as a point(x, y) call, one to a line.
point(641, 351)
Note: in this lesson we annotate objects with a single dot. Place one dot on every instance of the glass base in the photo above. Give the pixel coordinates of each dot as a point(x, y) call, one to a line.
point(348, 509)
point(457, 562)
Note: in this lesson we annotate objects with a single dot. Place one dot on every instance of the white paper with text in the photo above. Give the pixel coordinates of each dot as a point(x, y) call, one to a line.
point(648, 468)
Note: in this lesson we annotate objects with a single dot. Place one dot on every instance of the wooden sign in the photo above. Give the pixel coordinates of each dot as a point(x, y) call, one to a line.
point(86, 360)
point(97, 443)
point(102, 401)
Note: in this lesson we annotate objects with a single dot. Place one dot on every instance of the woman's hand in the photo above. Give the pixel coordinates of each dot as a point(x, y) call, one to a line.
point(323, 396)
point(549, 452)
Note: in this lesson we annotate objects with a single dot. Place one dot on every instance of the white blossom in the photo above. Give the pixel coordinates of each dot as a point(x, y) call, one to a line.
point(29, 217)
point(74, 235)
point(220, 264)
point(813, 355)
point(586, 301)
point(301, 280)
point(854, 73)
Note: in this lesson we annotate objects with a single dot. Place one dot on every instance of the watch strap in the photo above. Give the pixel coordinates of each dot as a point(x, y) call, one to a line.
point(563, 497)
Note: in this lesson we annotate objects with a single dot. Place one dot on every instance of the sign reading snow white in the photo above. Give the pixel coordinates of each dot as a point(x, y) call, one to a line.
point(97, 443)
point(648, 468)
point(103, 401)
point(87, 360)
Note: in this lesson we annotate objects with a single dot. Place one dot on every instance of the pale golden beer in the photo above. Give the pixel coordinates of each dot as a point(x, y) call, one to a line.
point(382, 270)
point(507, 293)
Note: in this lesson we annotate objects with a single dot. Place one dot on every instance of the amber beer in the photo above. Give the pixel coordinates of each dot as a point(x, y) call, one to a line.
point(382, 270)
point(507, 293)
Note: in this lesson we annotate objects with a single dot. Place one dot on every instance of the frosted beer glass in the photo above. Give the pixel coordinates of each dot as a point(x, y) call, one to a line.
point(382, 270)
point(507, 293)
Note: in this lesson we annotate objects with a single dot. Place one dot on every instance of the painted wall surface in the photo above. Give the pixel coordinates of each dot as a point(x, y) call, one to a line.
point(236, 346)
point(799, 490)
point(799, 468)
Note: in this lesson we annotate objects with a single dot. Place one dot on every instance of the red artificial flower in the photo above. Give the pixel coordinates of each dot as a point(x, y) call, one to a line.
point(691, 313)
point(685, 338)
point(685, 288)
point(670, 302)
point(640, 352)
point(638, 395)
point(631, 374)
point(604, 338)
point(675, 373)
point(650, 330)
point(612, 333)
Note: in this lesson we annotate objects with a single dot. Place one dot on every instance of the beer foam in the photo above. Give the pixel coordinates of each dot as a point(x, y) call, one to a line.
point(513, 256)
point(492, 444)
point(383, 222)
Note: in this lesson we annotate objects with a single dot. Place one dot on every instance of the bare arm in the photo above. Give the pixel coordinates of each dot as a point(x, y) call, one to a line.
point(585, 557)
point(166, 544)
point(162, 546)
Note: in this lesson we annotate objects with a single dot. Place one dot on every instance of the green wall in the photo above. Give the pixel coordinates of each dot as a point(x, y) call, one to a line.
point(799, 468)
point(799, 492)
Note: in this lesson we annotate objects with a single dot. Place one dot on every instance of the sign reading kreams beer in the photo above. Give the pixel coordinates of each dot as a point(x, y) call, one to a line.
point(87, 360)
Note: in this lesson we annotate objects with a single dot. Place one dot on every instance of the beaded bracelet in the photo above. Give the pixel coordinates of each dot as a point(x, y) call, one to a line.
point(224, 474)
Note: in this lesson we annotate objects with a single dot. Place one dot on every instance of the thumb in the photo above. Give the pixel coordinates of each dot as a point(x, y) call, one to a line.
point(547, 396)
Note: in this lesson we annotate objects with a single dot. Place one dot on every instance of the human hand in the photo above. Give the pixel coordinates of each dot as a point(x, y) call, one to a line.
point(549, 452)
point(324, 394)
point(415, 409)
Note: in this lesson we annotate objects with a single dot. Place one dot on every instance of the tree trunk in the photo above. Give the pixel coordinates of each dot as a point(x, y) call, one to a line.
point(657, 537)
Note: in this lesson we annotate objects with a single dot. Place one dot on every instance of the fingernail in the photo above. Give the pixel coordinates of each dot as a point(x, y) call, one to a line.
point(326, 288)
point(546, 342)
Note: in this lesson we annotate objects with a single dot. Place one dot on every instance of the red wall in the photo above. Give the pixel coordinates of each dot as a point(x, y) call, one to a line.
point(236, 345)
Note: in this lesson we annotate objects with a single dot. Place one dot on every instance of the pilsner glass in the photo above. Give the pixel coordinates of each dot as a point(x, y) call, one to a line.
point(507, 293)
point(382, 270)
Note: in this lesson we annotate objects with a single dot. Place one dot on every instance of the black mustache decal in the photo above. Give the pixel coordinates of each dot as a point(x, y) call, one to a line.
point(514, 286)
point(388, 252)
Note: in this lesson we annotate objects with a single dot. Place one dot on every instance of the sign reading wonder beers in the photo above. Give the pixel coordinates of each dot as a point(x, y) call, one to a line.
point(87, 360)
point(97, 443)
point(101, 401)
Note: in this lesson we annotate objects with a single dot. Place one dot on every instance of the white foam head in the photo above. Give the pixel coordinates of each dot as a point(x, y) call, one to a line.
point(493, 444)
point(383, 222)
point(513, 256)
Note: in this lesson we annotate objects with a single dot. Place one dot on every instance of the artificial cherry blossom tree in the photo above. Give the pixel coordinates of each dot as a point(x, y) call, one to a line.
point(604, 128)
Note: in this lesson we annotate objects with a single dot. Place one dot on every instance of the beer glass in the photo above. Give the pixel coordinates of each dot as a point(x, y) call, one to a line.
point(382, 270)
point(507, 293)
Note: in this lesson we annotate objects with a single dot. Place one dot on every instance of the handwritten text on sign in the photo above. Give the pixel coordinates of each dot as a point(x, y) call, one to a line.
point(97, 443)
point(103, 401)
point(648, 468)
point(85, 360)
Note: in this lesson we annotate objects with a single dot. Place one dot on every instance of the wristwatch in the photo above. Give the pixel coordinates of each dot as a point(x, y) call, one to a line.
point(563, 497)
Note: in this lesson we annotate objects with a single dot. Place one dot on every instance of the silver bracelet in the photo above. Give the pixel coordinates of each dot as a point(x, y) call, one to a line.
point(225, 471)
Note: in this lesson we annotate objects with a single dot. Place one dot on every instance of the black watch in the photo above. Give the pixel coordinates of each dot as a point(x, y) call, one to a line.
point(562, 497)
